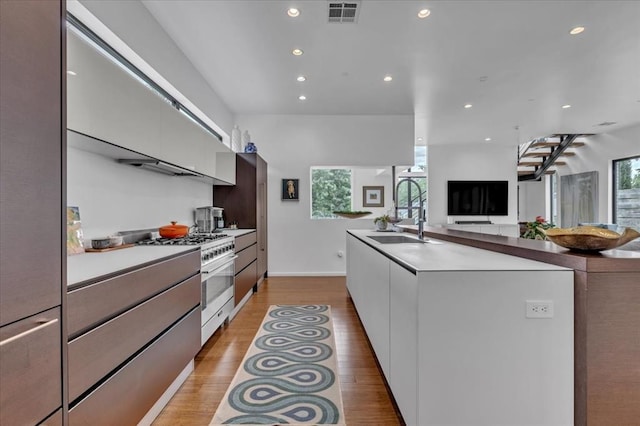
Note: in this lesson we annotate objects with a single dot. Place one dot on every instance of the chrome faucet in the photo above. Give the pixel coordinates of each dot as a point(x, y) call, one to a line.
point(421, 214)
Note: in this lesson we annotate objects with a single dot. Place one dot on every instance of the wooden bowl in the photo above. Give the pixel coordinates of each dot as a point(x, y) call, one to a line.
point(590, 238)
point(354, 215)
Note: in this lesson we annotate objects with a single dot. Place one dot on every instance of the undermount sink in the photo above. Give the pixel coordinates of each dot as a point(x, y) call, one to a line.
point(394, 239)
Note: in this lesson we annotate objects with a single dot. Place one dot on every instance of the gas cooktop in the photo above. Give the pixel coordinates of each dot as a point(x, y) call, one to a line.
point(188, 240)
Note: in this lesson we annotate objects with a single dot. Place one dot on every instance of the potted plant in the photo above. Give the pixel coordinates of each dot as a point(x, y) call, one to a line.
point(534, 230)
point(381, 222)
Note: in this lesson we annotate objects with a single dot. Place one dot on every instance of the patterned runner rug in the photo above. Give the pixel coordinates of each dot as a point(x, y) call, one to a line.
point(289, 374)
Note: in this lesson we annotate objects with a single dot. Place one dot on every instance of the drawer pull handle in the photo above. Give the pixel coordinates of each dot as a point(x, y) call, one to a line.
point(41, 324)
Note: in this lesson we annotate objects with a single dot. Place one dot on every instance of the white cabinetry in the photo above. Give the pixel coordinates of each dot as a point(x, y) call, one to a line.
point(456, 346)
point(508, 230)
point(110, 104)
point(403, 333)
point(185, 144)
point(369, 286)
point(107, 103)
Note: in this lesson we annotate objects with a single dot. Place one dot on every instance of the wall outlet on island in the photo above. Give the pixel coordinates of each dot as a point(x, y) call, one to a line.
point(539, 309)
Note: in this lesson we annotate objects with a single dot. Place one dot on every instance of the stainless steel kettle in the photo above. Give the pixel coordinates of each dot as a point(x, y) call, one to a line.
point(207, 218)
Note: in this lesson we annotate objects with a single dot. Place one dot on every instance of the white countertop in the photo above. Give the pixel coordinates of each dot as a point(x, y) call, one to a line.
point(91, 266)
point(436, 255)
point(236, 232)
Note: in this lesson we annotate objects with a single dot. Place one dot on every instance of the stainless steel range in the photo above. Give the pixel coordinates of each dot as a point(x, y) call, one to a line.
point(217, 269)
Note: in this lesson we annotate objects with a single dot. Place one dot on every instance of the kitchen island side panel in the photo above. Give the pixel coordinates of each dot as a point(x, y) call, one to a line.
point(482, 361)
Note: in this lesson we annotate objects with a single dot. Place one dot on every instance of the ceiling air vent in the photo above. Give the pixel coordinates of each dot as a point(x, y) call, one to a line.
point(344, 12)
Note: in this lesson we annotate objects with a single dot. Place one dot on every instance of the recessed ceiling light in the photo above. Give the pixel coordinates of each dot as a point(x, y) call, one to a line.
point(293, 12)
point(297, 52)
point(302, 97)
point(71, 72)
point(467, 106)
point(424, 13)
point(487, 139)
point(301, 78)
point(576, 30)
point(566, 106)
point(419, 139)
point(387, 78)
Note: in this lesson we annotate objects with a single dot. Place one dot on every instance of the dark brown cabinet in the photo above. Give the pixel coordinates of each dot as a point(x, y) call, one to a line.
point(133, 333)
point(246, 265)
point(246, 202)
point(32, 109)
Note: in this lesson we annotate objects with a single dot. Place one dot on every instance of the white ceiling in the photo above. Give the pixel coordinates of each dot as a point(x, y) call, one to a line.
point(514, 61)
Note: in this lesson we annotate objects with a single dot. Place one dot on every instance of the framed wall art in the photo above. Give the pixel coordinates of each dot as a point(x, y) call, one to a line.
point(578, 198)
point(373, 196)
point(290, 190)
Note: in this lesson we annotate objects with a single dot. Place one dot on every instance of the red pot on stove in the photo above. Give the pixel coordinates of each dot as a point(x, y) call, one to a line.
point(174, 230)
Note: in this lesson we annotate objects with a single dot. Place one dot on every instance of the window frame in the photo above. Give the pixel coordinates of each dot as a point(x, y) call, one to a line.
point(351, 177)
point(614, 185)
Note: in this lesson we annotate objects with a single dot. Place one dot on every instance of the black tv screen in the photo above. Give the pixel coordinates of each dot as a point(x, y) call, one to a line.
point(478, 198)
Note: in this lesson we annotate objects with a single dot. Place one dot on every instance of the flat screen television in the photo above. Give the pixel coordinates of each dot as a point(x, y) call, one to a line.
point(478, 198)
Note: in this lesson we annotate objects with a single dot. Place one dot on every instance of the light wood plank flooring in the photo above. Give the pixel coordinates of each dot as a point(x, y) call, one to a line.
point(365, 396)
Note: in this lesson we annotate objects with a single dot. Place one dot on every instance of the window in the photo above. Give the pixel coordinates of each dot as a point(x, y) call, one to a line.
point(330, 191)
point(553, 194)
point(626, 192)
point(408, 198)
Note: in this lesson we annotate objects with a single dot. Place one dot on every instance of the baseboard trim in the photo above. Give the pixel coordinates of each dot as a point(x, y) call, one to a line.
point(308, 274)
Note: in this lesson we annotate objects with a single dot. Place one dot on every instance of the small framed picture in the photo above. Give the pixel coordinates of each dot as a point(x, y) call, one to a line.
point(373, 196)
point(290, 190)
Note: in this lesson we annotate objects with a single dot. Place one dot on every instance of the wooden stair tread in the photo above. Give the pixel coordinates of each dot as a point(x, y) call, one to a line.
point(550, 144)
point(546, 154)
point(539, 163)
point(527, 172)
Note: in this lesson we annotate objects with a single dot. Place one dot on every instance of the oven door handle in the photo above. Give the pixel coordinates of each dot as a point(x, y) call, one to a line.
point(224, 265)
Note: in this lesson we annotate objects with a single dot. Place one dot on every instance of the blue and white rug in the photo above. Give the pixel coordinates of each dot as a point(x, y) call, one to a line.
point(289, 374)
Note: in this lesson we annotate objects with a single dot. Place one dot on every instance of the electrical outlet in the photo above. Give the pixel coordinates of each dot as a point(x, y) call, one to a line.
point(539, 309)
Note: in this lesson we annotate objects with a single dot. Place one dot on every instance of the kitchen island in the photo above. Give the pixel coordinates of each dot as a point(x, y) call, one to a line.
point(606, 319)
point(463, 335)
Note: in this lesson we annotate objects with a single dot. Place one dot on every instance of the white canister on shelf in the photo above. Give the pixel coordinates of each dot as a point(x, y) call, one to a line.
point(236, 139)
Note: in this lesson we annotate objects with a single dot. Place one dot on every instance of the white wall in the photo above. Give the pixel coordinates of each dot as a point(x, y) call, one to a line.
point(116, 197)
point(483, 161)
point(533, 200)
point(291, 144)
point(597, 155)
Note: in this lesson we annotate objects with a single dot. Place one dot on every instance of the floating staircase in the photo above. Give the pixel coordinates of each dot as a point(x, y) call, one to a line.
point(537, 157)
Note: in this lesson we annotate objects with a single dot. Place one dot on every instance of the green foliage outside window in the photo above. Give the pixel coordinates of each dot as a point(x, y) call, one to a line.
point(330, 191)
point(627, 177)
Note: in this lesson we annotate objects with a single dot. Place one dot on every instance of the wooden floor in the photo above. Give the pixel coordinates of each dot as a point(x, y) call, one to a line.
point(365, 396)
